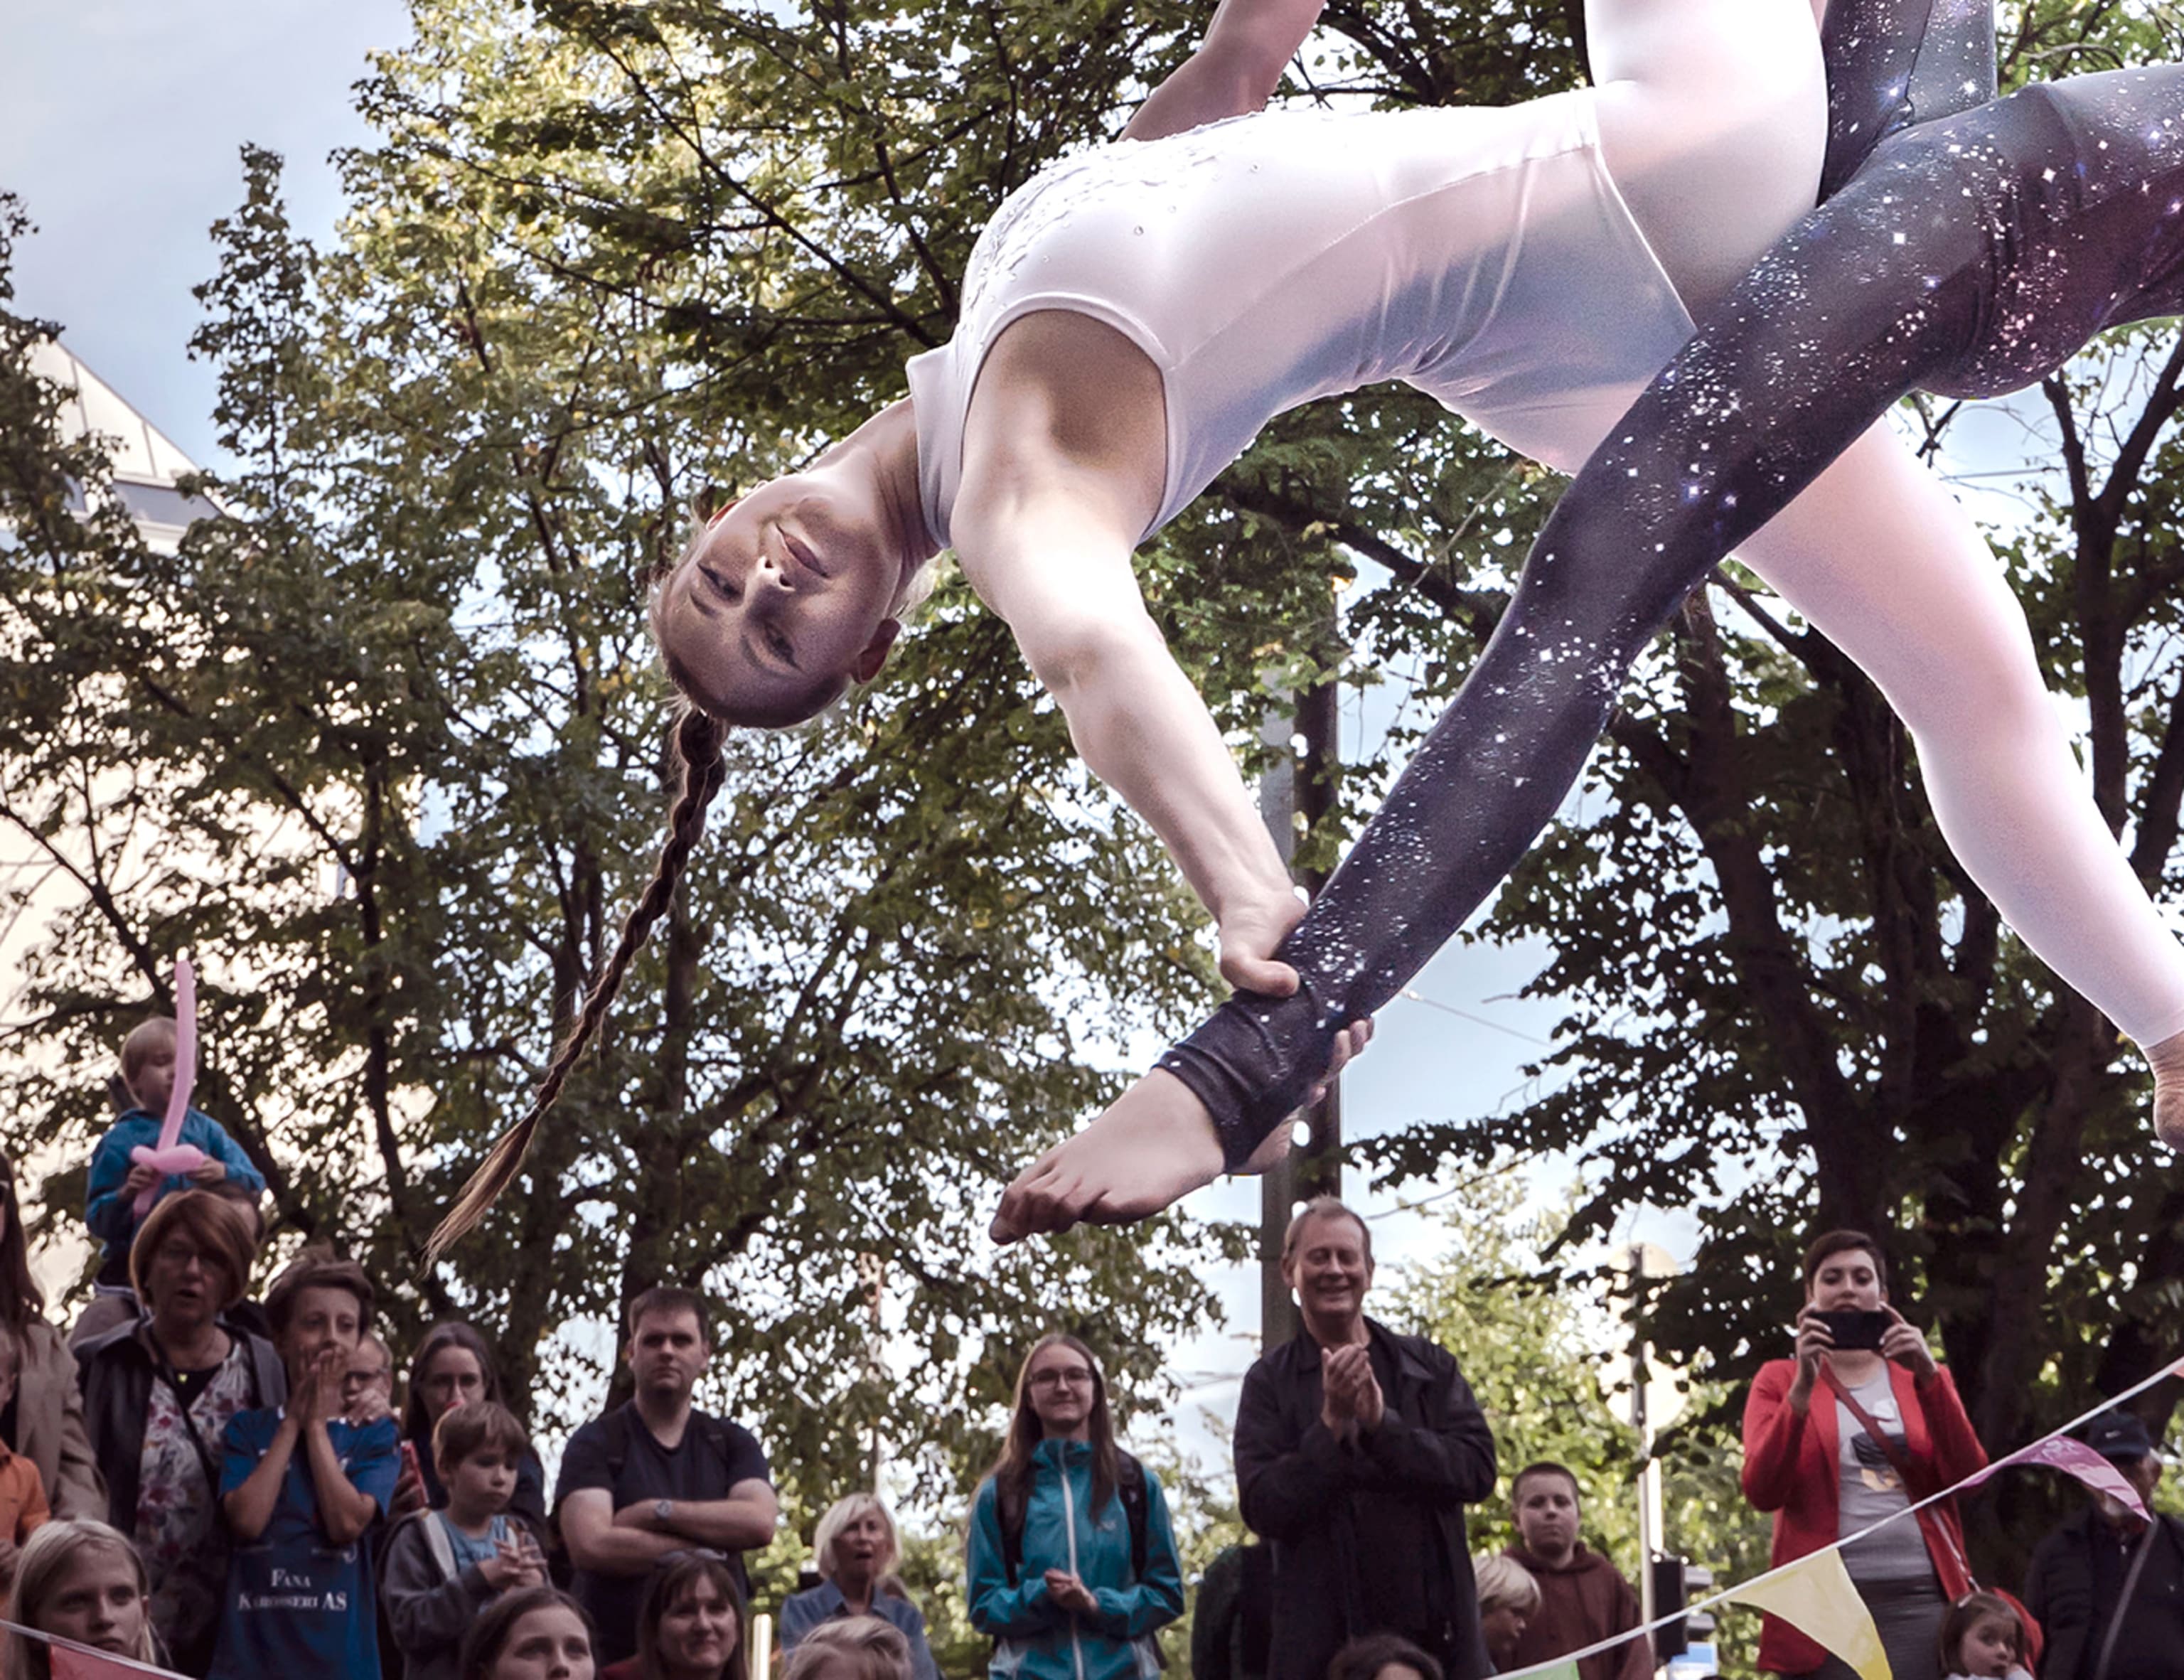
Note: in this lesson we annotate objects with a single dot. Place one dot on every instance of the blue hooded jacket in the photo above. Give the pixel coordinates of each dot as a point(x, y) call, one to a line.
point(1036, 1638)
point(112, 1216)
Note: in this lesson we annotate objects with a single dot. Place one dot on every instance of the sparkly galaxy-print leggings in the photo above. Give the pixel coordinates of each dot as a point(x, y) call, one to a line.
point(1970, 256)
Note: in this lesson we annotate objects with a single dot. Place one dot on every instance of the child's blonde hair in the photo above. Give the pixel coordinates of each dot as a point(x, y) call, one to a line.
point(150, 1036)
point(1500, 1579)
point(44, 1563)
point(870, 1649)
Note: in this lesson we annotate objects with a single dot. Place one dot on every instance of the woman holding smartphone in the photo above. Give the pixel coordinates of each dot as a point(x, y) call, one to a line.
point(1860, 1424)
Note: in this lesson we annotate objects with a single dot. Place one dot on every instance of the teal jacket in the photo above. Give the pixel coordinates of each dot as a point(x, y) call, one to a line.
point(1035, 1638)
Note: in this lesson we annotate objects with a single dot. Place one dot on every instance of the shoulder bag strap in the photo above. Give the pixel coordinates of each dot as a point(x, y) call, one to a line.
point(2123, 1601)
point(164, 1368)
point(1897, 1461)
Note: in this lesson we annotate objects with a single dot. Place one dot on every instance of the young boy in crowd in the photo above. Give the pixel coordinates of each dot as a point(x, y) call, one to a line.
point(146, 1082)
point(444, 1567)
point(22, 1492)
point(1583, 1597)
point(301, 1485)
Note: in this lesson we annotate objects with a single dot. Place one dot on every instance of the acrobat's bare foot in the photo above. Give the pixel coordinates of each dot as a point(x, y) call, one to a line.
point(2167, 1060)
point(1152, 1148)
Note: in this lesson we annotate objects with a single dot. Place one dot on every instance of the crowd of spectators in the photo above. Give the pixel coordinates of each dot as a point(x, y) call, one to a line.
point(226, 1488)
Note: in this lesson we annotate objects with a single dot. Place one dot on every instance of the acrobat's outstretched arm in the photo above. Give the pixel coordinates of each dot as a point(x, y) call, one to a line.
point(1235, 70)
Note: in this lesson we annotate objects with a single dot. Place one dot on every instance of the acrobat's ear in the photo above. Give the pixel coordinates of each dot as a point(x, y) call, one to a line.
point(874, 653)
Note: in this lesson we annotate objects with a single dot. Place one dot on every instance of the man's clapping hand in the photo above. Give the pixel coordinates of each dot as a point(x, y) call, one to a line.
point(1350, 1393)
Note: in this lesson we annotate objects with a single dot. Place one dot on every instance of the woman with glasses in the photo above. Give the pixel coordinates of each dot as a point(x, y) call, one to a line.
point(1072, 1563)
point(158, 1393)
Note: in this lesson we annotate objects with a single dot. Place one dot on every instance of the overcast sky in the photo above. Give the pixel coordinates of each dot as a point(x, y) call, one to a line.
point(121, 125)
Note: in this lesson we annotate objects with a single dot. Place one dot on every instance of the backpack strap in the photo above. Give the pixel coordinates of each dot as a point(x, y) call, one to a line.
point(1010, 1510)
point(1130, 1488)
point(616, 1424)
point(715, 1431)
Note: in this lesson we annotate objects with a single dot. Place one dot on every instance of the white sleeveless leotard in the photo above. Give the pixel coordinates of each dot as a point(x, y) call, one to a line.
point(1483, 255)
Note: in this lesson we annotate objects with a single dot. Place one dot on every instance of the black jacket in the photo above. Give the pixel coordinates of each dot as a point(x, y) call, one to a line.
point(2060, 1590)
point(116, 1370)
point(1232, 1625)
point(1317, 1498)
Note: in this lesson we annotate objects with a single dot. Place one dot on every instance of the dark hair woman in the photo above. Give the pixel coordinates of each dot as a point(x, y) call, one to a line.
point(1055, 1544)
point(158, 1393)
point(44, 1422)
point(692, 1625)
point(1384, 1656)
point(539, 1633)
point(1888, 1430)
point(452, 1367)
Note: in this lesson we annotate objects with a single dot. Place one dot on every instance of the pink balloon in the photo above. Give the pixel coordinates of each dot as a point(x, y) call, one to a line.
point(173, 1156)
point(183, 1158)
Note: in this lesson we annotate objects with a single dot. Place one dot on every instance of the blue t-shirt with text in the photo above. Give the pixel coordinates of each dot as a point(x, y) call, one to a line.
point(297, 1604)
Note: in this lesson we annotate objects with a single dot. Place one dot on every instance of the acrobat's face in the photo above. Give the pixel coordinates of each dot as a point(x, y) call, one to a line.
point(785, 599)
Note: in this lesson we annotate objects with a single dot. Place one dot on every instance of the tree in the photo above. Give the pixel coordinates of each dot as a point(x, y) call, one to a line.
point(387, 732)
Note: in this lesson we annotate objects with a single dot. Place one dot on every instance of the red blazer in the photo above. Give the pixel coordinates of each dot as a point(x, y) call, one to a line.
point(1792, 1468)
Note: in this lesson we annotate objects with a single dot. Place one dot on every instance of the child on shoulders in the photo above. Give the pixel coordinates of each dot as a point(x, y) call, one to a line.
point(444, 1567)
point(144, 1084)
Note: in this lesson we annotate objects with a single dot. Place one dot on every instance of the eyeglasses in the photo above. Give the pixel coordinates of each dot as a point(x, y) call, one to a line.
point(1077, 1378)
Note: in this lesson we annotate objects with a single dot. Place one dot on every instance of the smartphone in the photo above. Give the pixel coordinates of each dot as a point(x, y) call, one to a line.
point(1854, 1331)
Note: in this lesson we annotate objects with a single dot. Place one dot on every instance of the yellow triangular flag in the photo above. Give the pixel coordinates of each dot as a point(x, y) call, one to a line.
point(1814, 1596)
